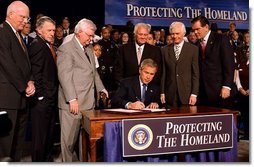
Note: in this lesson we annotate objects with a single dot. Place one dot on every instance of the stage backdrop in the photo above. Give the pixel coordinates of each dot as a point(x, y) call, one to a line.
point(164, 12)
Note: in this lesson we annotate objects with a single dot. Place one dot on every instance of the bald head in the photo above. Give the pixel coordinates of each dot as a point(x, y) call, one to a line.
point(17, 15)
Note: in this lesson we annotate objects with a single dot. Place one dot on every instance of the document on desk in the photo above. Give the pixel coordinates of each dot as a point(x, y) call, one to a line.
point(130, 111)
point(155, 110)
point(122, 110)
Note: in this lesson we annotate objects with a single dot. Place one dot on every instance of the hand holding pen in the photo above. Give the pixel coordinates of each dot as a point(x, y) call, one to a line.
point(136, 105)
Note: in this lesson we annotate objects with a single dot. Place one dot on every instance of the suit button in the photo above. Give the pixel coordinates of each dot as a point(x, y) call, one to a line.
point(177, 75)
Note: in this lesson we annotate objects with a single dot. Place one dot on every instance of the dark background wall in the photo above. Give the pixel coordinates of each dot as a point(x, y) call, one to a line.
point(57, 9)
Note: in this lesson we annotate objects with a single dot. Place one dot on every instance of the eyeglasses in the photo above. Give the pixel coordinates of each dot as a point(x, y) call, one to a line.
point(24, 17)
point(142, 34)
point(90, 36)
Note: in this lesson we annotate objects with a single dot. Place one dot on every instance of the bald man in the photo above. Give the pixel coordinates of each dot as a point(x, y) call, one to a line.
point(15, 80)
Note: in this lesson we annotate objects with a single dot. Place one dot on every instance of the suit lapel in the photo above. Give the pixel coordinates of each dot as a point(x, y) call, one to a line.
point(80, 52)
point(136, 87)
point(149, 93)
point(134, 53)
point(209, 43)
point(18, 44)
point(181, 56)
point(171, 53)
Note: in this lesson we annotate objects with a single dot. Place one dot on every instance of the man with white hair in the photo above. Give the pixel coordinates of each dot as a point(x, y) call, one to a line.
point(16, 80)
point(131, 55)
point(78, 79)
point(180, 78)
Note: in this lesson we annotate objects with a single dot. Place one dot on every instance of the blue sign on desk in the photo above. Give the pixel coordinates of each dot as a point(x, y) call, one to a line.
point(154, 136)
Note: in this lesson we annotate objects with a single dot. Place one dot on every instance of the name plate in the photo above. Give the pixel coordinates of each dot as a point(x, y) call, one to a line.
point(168, 135)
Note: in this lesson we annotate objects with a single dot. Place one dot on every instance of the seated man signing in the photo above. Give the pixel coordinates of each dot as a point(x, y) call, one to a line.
point(138, 92)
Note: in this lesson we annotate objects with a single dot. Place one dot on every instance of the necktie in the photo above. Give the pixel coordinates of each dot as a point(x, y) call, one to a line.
point(177, 51)
point(143, 93)
point(86, 54)
point(139, 54)
point(25, 39)
point(21, 42)
point(203, 46)
point(53, 52)
point(65, 33)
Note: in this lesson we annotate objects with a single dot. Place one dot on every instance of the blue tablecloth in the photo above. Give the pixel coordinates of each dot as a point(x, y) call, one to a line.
point(113, 150)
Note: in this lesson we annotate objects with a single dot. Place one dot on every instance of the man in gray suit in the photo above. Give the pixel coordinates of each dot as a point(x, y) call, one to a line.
point(78, 80)
point(180, 78)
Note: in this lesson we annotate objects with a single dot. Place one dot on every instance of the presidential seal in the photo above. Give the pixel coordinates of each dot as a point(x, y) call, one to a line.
point(140, 137)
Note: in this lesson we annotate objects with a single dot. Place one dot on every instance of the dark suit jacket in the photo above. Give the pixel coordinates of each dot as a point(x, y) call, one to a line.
point(44, 70)
point(181, 75)
point(15, 70)
point(127, 63)
point(217, 69)
point(29, 40)
point(129, 91)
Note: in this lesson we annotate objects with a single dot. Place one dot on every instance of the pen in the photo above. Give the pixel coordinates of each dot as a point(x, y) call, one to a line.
point(137, 98)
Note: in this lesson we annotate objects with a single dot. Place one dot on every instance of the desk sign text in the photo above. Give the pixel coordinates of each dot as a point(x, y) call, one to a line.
point(152, 136)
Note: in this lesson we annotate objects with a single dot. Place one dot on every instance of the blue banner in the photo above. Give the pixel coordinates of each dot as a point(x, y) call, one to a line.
point(164, 12)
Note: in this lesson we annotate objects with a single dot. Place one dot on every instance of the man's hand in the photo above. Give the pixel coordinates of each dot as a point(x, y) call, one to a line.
point(153, 106)
point(162, 98)
point(192, 100)
point(136, 105)
point(74, 107)
point(105, 92)
point(244, 92)
point(30, 89)
point(224, 93)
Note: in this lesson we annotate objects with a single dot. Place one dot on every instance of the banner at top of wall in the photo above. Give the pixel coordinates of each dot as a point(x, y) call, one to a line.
point(164, 12)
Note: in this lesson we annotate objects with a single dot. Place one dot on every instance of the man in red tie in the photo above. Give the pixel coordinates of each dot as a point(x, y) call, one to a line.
point(217, 68)
point(44, 103)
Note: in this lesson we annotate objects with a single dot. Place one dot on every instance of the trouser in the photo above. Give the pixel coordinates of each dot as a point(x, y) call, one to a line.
point(70, 131)
point(12, 136)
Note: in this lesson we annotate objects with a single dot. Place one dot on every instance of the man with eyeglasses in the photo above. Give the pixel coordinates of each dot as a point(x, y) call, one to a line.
point(15, 81)
point(216, 61)
point(78, 79)
point(130, 55)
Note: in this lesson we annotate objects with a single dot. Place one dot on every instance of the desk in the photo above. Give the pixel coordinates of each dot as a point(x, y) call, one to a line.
point(93, 122)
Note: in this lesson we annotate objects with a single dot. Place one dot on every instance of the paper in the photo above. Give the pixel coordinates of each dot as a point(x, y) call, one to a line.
point(121, 110)
point(155, 110)
point(129, 111)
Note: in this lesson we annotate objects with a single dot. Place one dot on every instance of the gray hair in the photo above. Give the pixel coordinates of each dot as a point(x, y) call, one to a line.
point(84, 24)
point(15, 6)
point(148, 62)
point(144, 25)
point(177, 23)
point(42, 20)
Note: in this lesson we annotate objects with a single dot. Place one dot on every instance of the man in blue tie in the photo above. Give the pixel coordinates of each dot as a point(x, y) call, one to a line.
point(139, 91)
point(27, 29)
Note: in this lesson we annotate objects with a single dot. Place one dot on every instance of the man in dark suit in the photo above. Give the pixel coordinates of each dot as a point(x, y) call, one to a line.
point(138, 92)
point(25, 34)
point(130, 55)
point(180, 78)
point(15, 80)
point(44, 103)
point(66, 26)
point(216, 62)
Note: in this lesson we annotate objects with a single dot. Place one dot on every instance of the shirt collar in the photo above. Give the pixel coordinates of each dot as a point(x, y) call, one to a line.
point(11, 26)
point(137, 46)
point(81, 46)
point(207, 36)
point(180, 44)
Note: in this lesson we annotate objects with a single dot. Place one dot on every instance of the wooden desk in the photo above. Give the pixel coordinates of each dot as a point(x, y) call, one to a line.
point(93, 122)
